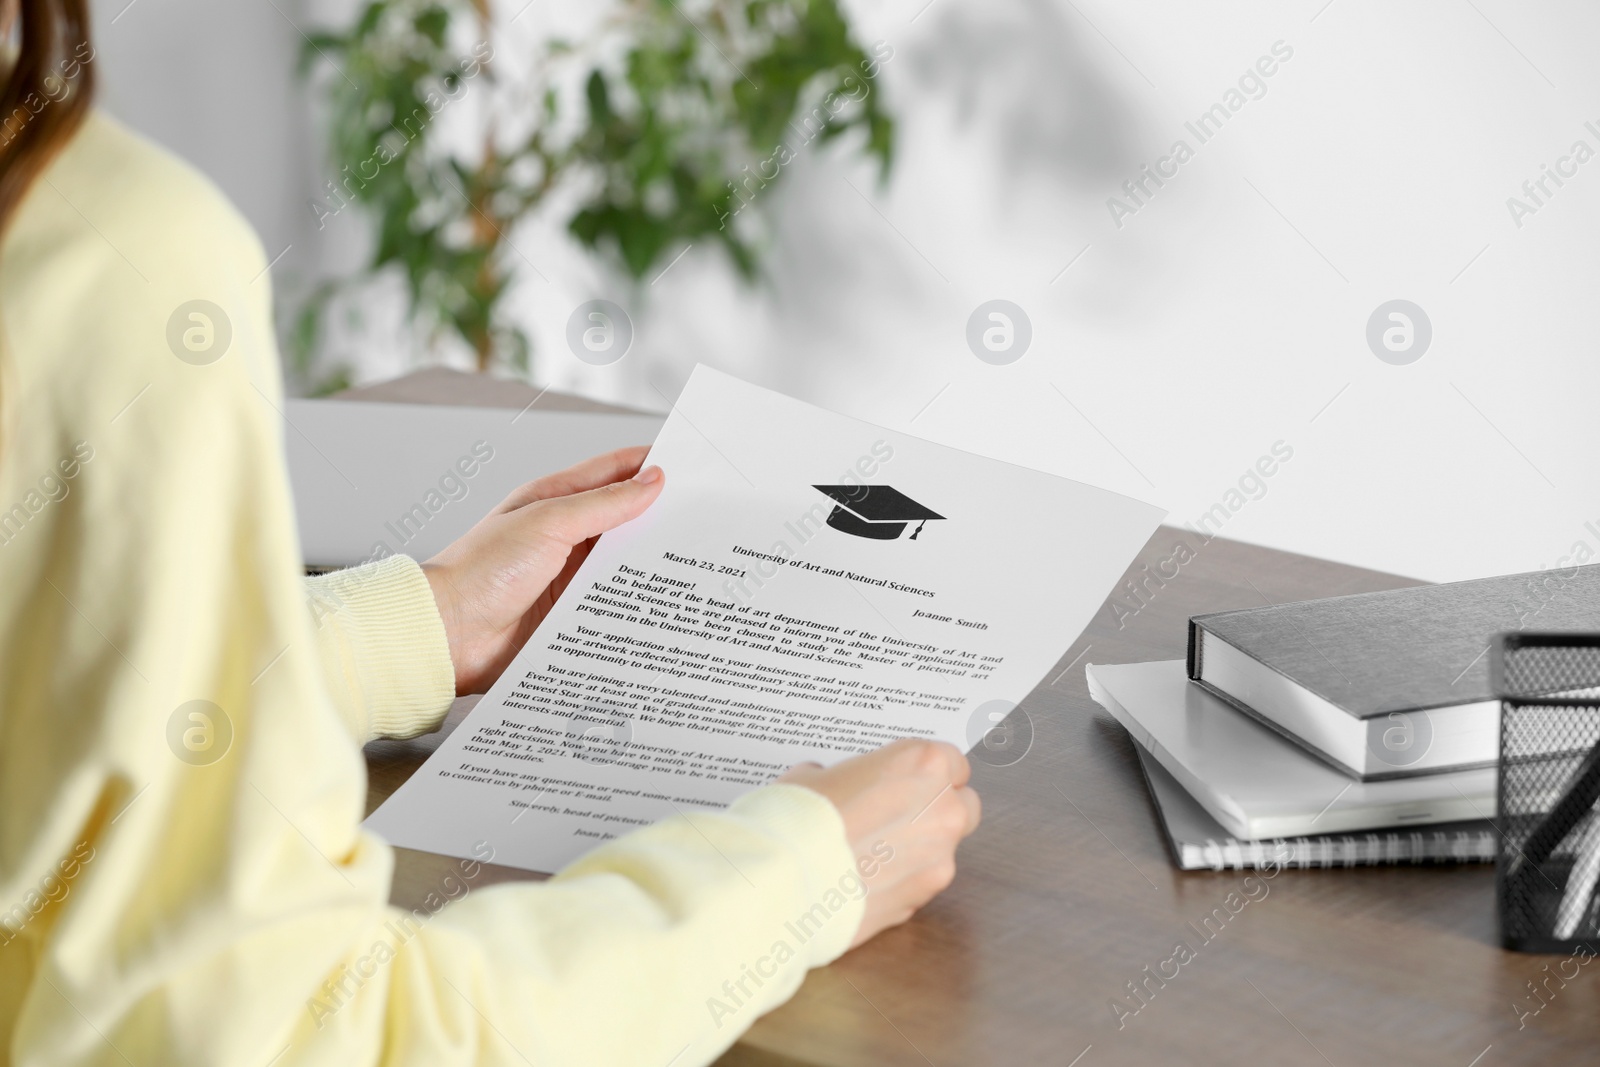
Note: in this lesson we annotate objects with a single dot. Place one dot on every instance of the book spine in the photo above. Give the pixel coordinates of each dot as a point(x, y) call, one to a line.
point(1192, 656)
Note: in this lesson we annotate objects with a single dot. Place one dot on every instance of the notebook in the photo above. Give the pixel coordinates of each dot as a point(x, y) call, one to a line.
point(1198, 842)
point(1256, 784)
point(1386, 684)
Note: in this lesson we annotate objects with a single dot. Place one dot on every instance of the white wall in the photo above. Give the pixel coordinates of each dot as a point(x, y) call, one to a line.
point(215, 83)
point(1226, 315)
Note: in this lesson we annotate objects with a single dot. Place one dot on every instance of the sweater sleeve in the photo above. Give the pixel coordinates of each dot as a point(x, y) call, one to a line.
point(658, 948)
point(383, 648)
point(181, 791)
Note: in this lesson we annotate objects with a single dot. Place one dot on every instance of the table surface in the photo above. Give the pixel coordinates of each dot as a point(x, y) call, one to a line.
point(1066, 894)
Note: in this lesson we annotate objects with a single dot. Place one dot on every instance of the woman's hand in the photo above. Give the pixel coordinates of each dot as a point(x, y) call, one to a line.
point(497, 581)
point(911, 796)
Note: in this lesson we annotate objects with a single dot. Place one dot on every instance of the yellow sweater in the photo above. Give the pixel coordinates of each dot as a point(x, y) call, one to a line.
point(183, 877)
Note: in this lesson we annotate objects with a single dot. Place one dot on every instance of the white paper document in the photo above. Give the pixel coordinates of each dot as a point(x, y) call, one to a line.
point(807, 587)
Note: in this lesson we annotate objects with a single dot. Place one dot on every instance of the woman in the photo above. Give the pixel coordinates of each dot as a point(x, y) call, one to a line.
point(167, 902)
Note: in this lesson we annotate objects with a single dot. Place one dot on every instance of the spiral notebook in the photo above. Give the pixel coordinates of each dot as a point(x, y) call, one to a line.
point(1258, 785)
point(1199, 842)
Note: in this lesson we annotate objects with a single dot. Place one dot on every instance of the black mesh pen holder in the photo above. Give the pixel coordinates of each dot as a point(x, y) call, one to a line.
point(1548, 866)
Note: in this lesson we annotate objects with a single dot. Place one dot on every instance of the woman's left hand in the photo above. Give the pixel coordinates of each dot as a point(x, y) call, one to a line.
point(497, 581)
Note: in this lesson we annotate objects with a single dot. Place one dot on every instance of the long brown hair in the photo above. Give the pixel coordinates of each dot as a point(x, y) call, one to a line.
point(46, 95)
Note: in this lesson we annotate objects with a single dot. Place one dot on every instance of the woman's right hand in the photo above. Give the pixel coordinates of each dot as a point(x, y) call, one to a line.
point(911, 796)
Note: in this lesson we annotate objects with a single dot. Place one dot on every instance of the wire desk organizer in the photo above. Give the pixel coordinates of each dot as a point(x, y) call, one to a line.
point(1548, 865)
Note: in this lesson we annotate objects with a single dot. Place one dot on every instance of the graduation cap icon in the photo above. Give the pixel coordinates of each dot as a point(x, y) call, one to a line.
point(876, 511)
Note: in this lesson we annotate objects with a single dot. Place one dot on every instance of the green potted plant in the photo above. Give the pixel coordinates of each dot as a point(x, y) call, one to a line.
point(662, 127)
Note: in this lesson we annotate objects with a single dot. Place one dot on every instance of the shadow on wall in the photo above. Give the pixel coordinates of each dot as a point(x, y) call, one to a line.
point(1010, 131)
point(1019, 72)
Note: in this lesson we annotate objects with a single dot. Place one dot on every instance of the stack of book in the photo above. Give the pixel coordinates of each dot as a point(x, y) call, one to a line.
point(1347, 731)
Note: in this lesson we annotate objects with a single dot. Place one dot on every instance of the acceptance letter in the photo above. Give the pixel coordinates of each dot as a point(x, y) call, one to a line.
point(807, 587)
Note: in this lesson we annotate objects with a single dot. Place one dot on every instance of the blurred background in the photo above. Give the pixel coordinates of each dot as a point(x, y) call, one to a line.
point(1159, 336)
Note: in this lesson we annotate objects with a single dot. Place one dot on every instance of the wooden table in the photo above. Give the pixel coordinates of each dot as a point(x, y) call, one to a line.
point(1067, 893)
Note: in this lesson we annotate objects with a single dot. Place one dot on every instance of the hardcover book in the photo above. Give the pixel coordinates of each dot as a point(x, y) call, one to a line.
point(1386, 684)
